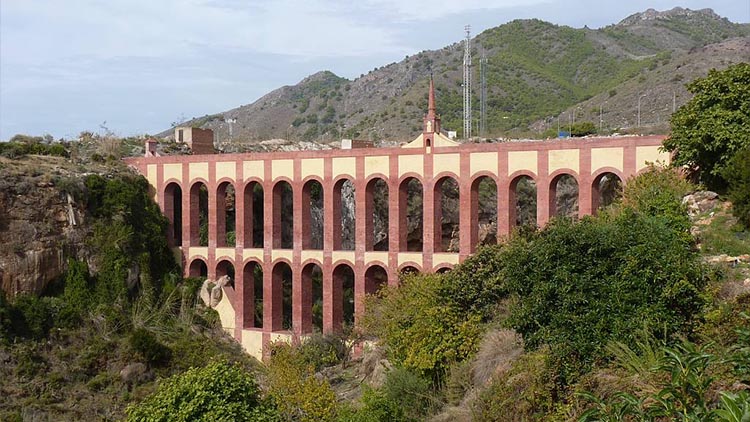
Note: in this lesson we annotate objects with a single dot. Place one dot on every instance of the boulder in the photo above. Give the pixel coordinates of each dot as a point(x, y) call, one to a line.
point(700, 202)
point(133, 373)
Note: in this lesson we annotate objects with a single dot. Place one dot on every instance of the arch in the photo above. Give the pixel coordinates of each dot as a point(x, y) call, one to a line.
point(376, 277)
point(198, 268)
point(283, 215)
point(313, 216)
point(376, 214)
point(173, 211)
point(484, 206)
point(522, 200)
point(199, 214)
point(563, 195)
point(446, 214)
point(226, 223)
point(605, 189)
point(343, 296)
point(410, 205)
point(443, 268)
point(225, 267)
point(252, 198)
point(344, 214)
point(281, 296)
point(312, 298)
point(252, 295)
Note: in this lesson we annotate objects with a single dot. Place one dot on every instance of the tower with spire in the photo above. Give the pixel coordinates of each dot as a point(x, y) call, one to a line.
point(431, 136)
point(431, 124)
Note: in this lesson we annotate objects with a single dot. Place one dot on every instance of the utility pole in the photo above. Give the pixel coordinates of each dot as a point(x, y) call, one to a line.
point(483, 96)
point(467, 83)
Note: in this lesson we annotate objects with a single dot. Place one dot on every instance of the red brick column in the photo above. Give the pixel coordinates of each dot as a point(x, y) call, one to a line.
point(394, 220)
point(360, 237)
point(268, 243)
point(301, 314)
point(430, 207)
point(503, 200)
point(327, 269)
point(585, 182)
point(464, 188)
point(542, 190)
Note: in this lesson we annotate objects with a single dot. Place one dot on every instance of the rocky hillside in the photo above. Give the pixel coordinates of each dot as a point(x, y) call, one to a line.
point(535, 70)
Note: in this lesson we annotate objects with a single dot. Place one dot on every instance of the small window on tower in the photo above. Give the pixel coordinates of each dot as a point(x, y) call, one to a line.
point(427, 142)
point(179, 132)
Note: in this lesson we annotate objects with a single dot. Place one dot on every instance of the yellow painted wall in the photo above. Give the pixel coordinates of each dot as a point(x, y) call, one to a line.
point(651, 154)
point(342, 255)
point(312, 254)
point(447, 258)
point(226, 312)
point(563, 158)
point(226, 169)
point(198, 170)
point(410, 163)
point(344, 165)
point(606, 157)
point(282, 253)
point(522, 160)
point(282, 168)
point(252, 342)
point(197, 251)
point(483, 161)
point(376, 256)
point(151, 177)
point(313, 166)
point(255, 253)
point(405, 257)
point(173, 171)
point(253, 169)
point(224, 253)
point(446, 162)
point(378, 164)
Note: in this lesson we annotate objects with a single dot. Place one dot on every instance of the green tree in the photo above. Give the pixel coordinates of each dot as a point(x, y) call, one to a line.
point(218, 392)
point(737, 174)
point(713, 125)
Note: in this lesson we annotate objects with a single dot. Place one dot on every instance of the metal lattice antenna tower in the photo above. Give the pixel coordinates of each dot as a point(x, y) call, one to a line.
point(483, 96)
point(467, 83)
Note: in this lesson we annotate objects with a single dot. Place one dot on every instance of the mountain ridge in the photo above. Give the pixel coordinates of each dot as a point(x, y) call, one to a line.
point(535, 70)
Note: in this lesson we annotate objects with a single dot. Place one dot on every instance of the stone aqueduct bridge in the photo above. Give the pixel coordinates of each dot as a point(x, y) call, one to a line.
point(176, 182)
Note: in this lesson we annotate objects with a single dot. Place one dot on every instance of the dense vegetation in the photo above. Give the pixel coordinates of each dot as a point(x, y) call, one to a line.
point(714, 125)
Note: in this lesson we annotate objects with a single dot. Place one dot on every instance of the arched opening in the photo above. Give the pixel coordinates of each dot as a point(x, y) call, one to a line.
point(410, 211)
point(225, 268)
point(606, 188)
point(376, 231)
point(483, 212)
point(443, 270)
point(173, 211)
point(343, 280)
point(198, 268)
point(225, 215)
point(312, 282)
point(522, 201)
point(312, 215)
point(409, 269)
point(446, 210)
point(344, 220)
point(199, 214)
point(282, 297)
point(253, 204)
point(252, 295)
point(376, 277)
point(563, 196)
point(283, 216)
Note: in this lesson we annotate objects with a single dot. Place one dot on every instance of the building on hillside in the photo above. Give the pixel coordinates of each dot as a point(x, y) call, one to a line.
point(200, 141)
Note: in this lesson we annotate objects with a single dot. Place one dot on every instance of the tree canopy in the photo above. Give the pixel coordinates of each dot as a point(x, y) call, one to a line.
point(713, 125)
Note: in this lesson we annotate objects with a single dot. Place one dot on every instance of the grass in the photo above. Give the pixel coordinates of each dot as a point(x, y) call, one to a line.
point(724, 236)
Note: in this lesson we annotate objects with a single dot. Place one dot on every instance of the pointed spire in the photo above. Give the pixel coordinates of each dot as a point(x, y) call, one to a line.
point(431, 99)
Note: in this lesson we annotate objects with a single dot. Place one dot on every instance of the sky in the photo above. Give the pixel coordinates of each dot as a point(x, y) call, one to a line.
point(135, 66)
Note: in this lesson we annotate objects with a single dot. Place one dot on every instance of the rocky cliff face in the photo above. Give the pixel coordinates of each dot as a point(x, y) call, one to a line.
point(42, 222)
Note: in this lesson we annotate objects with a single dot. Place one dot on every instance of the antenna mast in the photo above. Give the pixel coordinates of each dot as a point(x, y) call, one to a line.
point(467, 83)
point(483, 96)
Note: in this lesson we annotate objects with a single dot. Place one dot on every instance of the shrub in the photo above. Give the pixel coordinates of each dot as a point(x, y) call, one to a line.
point(149, 348)
point(375, 407)
point(410, 391)
point(321, 350)
point(658, 192)
point(737, 175)
point(218, 392)
point(294, 388)
point(34, 316)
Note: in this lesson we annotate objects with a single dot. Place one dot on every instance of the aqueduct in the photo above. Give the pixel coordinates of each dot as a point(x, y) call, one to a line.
point(283, 269)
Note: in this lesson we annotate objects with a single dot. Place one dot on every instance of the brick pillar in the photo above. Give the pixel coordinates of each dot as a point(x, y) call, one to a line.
point(430, 206)
point(542, 190)
point(268, 243)
point(464, 188)
point(394, 220)
point(503, 198)
point(585, 182)
point(360, 236)
point(327, 269)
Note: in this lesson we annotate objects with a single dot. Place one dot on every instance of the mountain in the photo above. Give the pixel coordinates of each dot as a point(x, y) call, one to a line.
point(535, 71)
